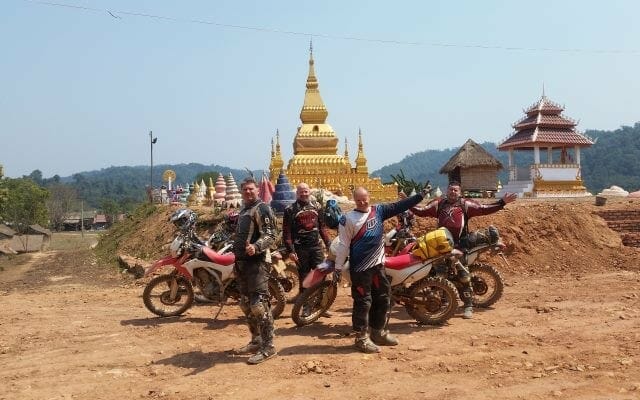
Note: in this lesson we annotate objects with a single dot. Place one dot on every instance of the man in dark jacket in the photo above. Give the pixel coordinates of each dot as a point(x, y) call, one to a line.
point(255, 233)
point(453, 212)
point(302, 230)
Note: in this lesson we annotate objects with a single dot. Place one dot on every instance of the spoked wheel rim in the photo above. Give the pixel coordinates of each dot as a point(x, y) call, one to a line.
point(487, 285)
point(313, 302)
point(168, 295)
point(433, 301)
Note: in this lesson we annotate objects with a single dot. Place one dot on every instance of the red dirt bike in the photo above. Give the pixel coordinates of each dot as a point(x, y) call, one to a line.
point(486, 280)
point(195, 264)
point(431, 300)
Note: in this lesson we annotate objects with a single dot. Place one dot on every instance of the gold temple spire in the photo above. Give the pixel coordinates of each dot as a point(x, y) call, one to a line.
point(315, 152)
point(313, 110)
point(361, 160)
point(277, 163)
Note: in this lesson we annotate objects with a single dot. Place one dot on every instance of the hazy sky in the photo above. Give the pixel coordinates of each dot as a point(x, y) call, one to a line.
point(83, 82)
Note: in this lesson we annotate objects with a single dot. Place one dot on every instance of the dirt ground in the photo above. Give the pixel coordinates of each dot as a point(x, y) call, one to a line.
point(566, 327)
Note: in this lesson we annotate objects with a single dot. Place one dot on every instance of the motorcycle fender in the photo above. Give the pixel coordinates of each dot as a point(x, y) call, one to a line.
point(407, 276)
point(159, 264)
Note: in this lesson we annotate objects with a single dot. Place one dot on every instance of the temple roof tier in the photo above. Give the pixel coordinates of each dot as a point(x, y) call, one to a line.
point(544, 120)
point(545, 106)
point(543, 137)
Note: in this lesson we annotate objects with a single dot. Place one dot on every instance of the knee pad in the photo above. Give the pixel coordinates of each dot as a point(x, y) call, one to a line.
point(463, 273)
point(258, 310)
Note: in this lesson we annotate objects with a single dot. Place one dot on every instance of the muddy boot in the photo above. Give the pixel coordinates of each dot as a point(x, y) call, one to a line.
point(251, 347)
point(382, 337)
point(262, 355)
point(256, 339)
point(364, 344)
point(468, 312)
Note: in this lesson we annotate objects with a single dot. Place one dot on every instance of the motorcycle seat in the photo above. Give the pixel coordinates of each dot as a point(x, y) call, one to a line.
point(401, 261)
point(217, 258)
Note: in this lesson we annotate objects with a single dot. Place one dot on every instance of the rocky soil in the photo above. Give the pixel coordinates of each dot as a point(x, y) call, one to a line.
point(566, 327)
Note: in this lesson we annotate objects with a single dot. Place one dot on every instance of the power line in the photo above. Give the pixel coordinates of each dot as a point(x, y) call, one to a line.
point(116, 14)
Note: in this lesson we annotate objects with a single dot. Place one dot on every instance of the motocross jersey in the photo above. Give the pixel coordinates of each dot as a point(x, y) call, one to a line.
point(256, 225)
point(302, 226)
point(455, 216)
point(361, 234)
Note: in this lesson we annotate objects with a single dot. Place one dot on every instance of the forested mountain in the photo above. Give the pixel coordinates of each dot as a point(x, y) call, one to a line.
point(613, 160)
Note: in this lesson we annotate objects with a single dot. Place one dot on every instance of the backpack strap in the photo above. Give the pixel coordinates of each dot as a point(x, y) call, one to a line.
point(463, 205)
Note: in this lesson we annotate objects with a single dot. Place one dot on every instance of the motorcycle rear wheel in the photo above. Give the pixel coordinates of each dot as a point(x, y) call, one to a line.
point(313, 302)
point(487, 283)
point(432, 301)
point(158, 299)
point(277, 297)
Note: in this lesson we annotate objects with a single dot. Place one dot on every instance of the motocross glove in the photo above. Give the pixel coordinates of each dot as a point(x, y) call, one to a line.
point(426, 191)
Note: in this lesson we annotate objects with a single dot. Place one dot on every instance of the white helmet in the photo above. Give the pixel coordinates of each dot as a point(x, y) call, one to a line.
point(183, 218)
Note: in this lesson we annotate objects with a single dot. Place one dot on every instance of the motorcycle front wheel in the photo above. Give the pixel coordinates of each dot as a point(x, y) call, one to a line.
point(313, 302)
point(432, 301)
point(277, 298)
point(291, 283)
point(168, 295)
point(487, 284)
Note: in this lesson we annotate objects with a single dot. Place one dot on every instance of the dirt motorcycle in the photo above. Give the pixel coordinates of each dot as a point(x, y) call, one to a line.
point(284, 273)
point(486, 280)
point(431, 300)
point(196, 264)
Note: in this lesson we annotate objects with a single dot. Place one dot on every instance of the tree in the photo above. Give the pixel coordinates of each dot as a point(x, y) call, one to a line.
point(24, 204)
point(36, 176)
point(111, 208)
point(60, 203)
point(205, 176)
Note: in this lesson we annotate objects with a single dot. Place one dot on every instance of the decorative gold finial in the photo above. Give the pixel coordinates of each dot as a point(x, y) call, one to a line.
point(346, 149)
point(311, 47)
point(277, 141)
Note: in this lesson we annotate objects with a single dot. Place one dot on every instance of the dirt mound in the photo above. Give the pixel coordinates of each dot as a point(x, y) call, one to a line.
point(548, 236)
point(147, 233)
point(555, 236)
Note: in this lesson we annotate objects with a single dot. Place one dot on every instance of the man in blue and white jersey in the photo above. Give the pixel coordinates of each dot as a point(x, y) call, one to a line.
point(361, 234)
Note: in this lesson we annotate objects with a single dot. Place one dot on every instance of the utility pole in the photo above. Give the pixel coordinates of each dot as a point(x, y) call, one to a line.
point(82, 218)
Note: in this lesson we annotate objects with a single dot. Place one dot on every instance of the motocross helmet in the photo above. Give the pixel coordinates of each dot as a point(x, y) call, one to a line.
point(183, 218)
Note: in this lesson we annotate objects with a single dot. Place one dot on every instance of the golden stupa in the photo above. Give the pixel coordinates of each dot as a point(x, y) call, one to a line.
point(315, 153)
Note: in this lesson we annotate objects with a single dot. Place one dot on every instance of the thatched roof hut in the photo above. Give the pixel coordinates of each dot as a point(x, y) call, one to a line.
point(474, 168)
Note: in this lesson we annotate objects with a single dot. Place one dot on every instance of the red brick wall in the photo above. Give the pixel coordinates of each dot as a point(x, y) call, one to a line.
point(626, 223)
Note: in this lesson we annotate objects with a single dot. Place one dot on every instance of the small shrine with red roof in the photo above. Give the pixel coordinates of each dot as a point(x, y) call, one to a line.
point(556, 145)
